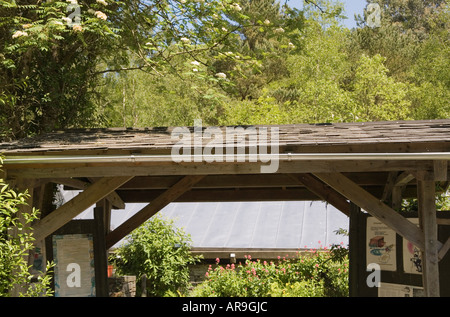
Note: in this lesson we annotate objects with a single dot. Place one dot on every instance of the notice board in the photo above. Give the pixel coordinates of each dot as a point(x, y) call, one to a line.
point(73, 256)
point(399, 260)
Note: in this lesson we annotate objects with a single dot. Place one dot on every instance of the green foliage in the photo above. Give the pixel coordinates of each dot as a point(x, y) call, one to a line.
point(316, 274)
point(16, 242)
point(161, 252)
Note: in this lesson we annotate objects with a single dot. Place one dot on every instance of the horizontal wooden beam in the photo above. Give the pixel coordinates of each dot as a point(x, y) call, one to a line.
point(374, 206)
point(202, 168)
point(241, 194)
point(148, 211)
point(76, 205)
point(241, 181)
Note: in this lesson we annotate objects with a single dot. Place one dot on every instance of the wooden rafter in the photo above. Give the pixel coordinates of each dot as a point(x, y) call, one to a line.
point(76, 205)
point(151, 209)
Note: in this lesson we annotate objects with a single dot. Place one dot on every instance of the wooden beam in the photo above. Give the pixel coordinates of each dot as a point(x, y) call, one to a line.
point(243, 194)
point(427, 222)
point(324, 192)
point(444, 249)
point(247, 180)
point(374, 206)
point(404, 178)
point(200, 168)
point(113, 198)
point(76, 205)
point(148, 211)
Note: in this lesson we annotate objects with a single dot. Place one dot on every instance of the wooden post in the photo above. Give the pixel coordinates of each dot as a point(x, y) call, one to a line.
point(427, 221)
point(353, 256)
point(100, 253)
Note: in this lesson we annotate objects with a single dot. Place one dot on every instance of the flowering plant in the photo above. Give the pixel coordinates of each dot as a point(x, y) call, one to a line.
point(311, 273)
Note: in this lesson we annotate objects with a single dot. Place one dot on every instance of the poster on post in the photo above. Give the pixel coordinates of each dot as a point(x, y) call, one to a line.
point(412, 257)
point(74, 265)
point(380, 245)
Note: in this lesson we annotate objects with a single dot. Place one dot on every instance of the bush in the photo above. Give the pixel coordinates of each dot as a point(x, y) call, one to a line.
point(318, 273)
point(161, 252)
point(16, 242)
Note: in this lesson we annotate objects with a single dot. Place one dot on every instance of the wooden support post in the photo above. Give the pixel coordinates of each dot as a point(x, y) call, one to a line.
point(100, 251)
point(320, 189)
point(427, 221)
point(76, 205)
point(374, 206)
point(396, 202)
point(148, 211)
point(440, 171)
point(387, 192)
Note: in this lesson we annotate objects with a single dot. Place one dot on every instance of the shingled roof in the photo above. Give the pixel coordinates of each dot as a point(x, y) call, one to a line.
point(294, 137)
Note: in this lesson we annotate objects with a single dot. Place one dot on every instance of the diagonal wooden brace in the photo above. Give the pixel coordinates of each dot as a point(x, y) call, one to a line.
point(152, 208)
point(76, 205)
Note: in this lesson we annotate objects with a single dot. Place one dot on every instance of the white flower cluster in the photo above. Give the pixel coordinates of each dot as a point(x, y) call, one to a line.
point(100, 15)
point(221, 75)
point(19, 34)
point(235, 7)
point(185, 40)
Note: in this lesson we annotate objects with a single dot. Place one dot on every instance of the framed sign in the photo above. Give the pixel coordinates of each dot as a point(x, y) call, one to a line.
point(381, 245)
point(73, 255)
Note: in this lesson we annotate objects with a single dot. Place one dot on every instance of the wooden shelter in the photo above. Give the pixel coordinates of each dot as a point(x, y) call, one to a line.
point(371, 165)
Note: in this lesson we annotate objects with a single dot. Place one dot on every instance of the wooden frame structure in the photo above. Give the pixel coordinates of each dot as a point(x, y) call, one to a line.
point(373, 165)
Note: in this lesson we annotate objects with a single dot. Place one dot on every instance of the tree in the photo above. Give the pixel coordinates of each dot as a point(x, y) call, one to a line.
point(54, 53)
point(161, 252)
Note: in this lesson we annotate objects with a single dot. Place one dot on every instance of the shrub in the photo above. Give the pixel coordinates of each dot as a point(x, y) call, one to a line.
point(16, 242)
point(161, 252)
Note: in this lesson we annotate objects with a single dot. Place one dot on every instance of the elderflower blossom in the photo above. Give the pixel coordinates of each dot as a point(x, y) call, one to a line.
point(235, 7)
point(279, 30)
point(77, 28)
point(266, 22)
point(195, 63)
point(221, 75)
point(19, 34)
point(291, 45)
point(100, 15)
point(185, 40)
point(102, 2)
